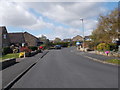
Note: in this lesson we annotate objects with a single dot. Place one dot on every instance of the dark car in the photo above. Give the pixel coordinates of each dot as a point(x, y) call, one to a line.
point(57, 46)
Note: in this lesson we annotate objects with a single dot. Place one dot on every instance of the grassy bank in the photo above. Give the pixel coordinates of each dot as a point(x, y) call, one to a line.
point(114, 61)
point(8, 56)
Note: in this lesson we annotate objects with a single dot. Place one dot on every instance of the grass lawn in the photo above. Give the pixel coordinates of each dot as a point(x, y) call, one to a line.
point(115, 61)
point(7, 56)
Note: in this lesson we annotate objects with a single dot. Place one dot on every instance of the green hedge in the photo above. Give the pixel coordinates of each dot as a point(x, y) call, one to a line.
point(113, 46)
point(7, 50)
point(33, 48)
point(105, 46)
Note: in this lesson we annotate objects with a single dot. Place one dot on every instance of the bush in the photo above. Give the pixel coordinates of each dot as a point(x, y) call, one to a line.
point(25, 49)
point(39, 51)
point(113, 46)
point(103, 47)
point(7, 50)
point(44, 46)
point(65, 44)
point(28, 54)
point(74, 43)
point(33, 48)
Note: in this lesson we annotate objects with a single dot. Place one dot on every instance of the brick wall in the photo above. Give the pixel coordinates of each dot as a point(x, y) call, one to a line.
point(4, 37)
point(30, 39)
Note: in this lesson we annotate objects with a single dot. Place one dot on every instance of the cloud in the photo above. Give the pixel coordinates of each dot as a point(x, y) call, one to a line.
point(67, 13)
point(40, 24)
point(15, 15)
point(63, 0)
point(63, 33)
point(70, 13)
point(18, 15)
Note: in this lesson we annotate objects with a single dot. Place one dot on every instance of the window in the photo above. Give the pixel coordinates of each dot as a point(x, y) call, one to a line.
point(4, 36)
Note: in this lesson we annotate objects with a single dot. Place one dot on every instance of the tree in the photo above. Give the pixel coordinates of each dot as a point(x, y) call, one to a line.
point(107, 28)
point(46, 42)
point(57, 40)
point(43, 38)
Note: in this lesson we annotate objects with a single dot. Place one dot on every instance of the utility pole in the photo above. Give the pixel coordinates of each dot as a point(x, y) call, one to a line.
point(83, 33)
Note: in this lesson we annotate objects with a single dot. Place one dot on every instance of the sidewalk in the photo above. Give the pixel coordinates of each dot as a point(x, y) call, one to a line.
point(100, 57)
point(12, 72)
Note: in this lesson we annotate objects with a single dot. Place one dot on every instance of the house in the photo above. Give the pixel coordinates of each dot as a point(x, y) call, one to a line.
point(67, 40)
point(24, 37)
point(4, 37)
point(77, 38)
point(88, 38)
point(19, 38)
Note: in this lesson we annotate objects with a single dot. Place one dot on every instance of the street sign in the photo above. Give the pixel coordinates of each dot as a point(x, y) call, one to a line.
point(78, 43)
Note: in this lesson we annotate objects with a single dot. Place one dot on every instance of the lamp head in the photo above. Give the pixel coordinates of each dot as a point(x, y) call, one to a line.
point(81, 19)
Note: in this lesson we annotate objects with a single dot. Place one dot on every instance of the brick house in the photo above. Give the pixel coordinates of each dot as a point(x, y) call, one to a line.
point(7, 39)
point(77, 38)
point(67, 40)
point(31, 40)
point(4, 37)
point(24, 37)
point(17, 38)
point(88, 38)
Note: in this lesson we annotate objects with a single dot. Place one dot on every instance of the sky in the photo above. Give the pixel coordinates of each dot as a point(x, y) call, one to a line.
point(53, 19)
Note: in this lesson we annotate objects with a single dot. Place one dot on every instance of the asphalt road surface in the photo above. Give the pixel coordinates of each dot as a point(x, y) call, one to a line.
point(65, 69)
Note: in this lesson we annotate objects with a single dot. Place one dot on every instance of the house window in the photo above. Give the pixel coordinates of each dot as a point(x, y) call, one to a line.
point(4, 36)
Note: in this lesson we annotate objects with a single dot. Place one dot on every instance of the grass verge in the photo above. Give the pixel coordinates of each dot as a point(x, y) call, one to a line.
point(114, 61)
point(8, 56)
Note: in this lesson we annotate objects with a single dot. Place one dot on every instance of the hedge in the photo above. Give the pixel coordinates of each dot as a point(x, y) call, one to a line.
point(33, 48)
point(105, 46)
point(7, 50)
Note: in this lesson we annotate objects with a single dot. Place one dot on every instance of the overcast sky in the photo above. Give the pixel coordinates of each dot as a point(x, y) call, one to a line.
point(53, 19)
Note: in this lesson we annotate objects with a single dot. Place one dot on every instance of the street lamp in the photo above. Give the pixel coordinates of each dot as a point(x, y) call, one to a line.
point(83, 31)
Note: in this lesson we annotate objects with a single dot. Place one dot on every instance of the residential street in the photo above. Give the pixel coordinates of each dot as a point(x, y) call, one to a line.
point(60, 44)
point(65, 69)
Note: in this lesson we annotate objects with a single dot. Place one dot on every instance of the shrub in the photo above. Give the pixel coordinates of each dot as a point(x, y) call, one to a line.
point(25, 49)
point(44, 46)
point(74, 43)
point(7, 50)
point(113, 46)
point(103, 47)
point(33, 48)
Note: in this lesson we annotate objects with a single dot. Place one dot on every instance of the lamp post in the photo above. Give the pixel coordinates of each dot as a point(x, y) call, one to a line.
point(83, 32)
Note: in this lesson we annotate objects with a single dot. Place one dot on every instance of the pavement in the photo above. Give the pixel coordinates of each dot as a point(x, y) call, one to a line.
point(66, 69)
point(10, 73)
point(93, 55)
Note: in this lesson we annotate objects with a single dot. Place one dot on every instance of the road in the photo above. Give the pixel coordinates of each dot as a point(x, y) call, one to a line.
point(66, 69)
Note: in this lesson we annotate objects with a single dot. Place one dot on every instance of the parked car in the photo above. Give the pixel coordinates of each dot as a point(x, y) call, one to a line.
point(57, 46)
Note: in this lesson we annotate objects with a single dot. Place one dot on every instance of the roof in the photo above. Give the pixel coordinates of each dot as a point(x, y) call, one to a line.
point(20, 37)
point(31, 35)
point(17, 37)
point(87, 37)
point(66, 40)
point(78, 37)
point(2, 28)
